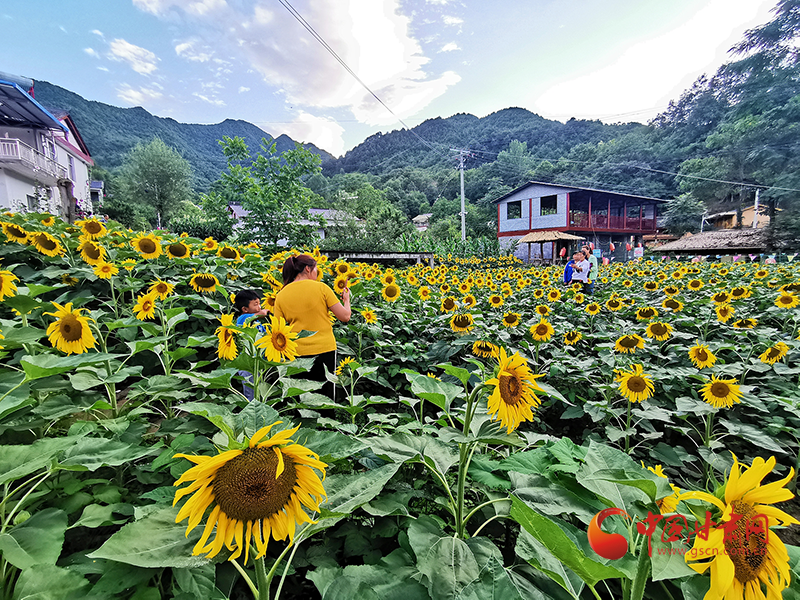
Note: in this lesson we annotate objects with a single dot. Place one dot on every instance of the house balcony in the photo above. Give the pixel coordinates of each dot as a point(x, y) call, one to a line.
point(593, 222)
point(17, 156)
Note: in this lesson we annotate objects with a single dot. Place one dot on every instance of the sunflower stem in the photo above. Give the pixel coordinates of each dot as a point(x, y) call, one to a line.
point(482, 505)
point(627, 427)
point(262, 578)
point(642, 575)
point(246, 578)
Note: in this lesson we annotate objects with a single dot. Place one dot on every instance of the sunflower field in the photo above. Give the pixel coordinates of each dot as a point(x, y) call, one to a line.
point(486, 421)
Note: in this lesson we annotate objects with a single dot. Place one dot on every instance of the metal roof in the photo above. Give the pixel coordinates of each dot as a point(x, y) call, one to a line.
point(18, 109)
point(573, 187)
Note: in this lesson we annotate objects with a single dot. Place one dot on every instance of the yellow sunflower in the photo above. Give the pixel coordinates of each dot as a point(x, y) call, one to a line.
point(147, 245)
point(178, 250)
point(128, 264)
point(646, 313)
point(543, 310)
point(592, 308)
point(228, 252)
point(462, 323)
point(614, 304)
point(391, 292)
point(634, 384)
point(15, 233)
point(449, 304)
point(745, 324)
point(724, 312)
point(721, 393)
point(496, 300)
point(741, 292)
point(46, 243)
point(369, 316)
point(227, 342)
point(256, 493)
point(658, 330)
point(514, 395)
point(745, 557)
point(105, 270)
point(424, 292)
point(347, 360)
point(70, 333)
point(485, 349)
point(91, 228)
point(628, 344)
point(388, 279)
point(160, 288)
point(279, 343)
point(651, 286)
point(701, 356)
point(785, 300)
point(469, 301)
point(7, 285)
point(66, 279)
point(672, 290)
point(204, 282)
point(668, 504)
point(721, 297)
point(572, 337)
point(672, 304)
point(209, 244)
point(553, 295)
point(92, 253)
point(510, 319)
point(48, 221)
point(774, 353)
point(695, 284)
point(145, 307)
point(542, 331)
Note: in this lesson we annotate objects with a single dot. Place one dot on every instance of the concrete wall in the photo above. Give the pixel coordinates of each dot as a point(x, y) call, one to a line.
point(532, 195)
point(15, 189)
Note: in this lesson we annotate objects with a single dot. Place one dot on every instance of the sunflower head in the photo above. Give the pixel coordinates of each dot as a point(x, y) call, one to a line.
point(255, 493)
point(774, 353)
point(148, 246)
point(511, 319)
point(658, 330)
point(634, 384)
point(391, 292)
point(572, 337)
point(91, 228)
point(514, 394)
point(178, 250)
point(204, 282)
point(721, 393)
point(485, 349)
point(701, 356)
point(628, 344)
point(46, 243)
point(15, 233)
point(542, 331)
point(646, 313)
point(279, 342)
point(462, 322)
point(70, 333)
point(369, 315)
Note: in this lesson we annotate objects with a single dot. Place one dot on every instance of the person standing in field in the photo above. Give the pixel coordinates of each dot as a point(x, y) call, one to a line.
point(248, 304)
point(580, 268)
point(588, 287)
point(304, 303)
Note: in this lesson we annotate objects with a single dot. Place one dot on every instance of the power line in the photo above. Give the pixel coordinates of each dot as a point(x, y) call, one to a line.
point(347, 68)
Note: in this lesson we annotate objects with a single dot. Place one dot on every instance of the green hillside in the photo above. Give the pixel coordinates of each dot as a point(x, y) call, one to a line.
point(110, 132)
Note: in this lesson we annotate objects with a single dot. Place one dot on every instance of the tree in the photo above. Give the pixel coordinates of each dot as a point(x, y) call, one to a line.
point(271, 190)
point(155, 174)
point(683, 214)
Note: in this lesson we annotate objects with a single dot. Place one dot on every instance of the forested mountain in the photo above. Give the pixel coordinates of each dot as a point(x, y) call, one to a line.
point(111, 132)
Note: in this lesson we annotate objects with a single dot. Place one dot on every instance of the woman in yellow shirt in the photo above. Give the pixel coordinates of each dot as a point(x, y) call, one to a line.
point(304, 302)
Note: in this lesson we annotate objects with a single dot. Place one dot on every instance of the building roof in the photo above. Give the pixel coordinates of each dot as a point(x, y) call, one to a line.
point(536, 237)
point(574, 187)
point(422, 218)
point(718, 242)
point(18, 109)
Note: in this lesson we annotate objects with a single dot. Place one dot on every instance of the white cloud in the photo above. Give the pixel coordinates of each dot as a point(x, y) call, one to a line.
point(649, 73)
point(213, 101)
point(92, 52)
point(98, 33)
point(192, 7)
point(62, 28)
point(372, 37)
point(104, 69)
point(188, 51)
point(449, 47)
point(438, 2)
point(140, 60)
point(450, 20)
point(137, 97)
point(243, 89)
point(320, 131)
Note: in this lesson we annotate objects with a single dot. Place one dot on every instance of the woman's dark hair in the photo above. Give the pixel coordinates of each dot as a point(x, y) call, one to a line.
point(295, 265)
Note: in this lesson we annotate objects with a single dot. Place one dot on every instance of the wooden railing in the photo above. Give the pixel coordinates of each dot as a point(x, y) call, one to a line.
point(13, 149)
point(581, 220)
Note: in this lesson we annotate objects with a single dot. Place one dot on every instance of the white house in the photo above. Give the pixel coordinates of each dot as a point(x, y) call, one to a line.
point(44, 163)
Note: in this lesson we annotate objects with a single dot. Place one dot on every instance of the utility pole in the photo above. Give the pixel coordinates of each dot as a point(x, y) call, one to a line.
point(461, 154)
point(755, 210)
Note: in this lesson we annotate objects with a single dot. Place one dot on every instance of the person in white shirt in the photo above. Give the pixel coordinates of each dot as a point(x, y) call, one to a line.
point(581, 268)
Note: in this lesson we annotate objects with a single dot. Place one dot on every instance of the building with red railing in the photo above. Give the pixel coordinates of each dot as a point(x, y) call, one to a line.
point(602, 217)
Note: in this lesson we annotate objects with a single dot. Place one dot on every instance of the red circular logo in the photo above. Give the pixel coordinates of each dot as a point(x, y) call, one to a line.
point(608, 545)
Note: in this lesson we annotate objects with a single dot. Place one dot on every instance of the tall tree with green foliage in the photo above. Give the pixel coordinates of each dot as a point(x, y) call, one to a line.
point(156, 175)
point(271, 189)
point(684, 213)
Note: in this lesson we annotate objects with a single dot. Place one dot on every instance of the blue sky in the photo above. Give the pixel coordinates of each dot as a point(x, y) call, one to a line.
point(202, 61)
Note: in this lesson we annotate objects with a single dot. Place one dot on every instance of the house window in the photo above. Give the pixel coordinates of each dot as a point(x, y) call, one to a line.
point(33, 205)
point(549, 205)
point(72, 168)
point(514, 210)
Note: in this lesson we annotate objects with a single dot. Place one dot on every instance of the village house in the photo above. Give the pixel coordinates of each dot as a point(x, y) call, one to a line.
point(601, 217)
point(727, 219)
point(44, 162)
